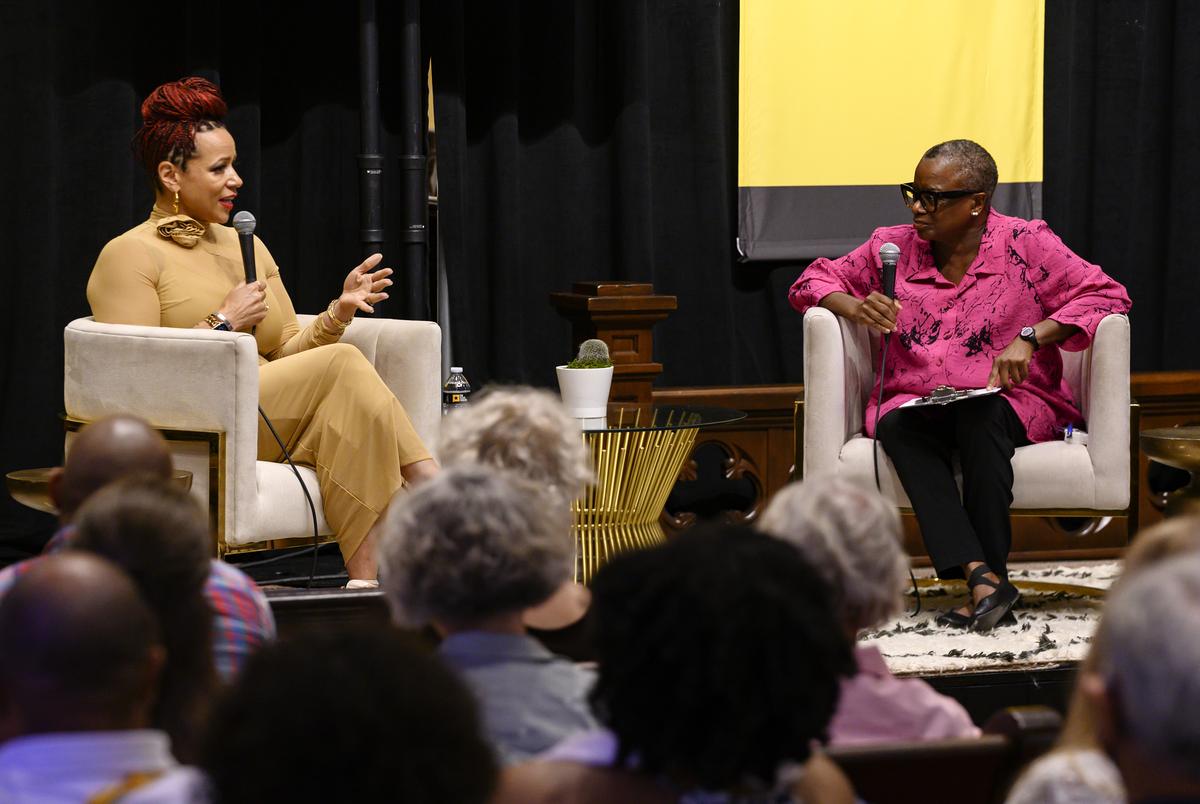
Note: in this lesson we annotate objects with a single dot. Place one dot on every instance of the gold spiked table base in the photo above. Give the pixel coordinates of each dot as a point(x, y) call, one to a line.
point(635, 470)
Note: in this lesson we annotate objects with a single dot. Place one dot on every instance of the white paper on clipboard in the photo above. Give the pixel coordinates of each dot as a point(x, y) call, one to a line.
point(959, 396)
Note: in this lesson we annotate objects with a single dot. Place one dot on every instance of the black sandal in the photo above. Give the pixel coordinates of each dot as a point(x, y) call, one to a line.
point(995, 607)
point(952, 619)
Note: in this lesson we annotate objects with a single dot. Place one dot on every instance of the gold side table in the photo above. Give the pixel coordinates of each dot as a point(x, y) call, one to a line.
point(637, 458)
point(1178, 447)
point(31, 487)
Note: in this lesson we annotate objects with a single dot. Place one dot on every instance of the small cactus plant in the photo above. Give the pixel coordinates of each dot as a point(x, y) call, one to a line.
point(593, 353)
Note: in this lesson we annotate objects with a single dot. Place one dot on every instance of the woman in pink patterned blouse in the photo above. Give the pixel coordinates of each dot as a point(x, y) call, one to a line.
point(982, 300)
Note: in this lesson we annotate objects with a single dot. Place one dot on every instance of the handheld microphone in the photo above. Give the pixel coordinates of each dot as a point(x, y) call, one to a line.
point(244, 223)
point(889, 255)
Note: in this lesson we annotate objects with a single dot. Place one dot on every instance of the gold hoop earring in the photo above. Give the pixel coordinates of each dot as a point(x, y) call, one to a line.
point(175, 210)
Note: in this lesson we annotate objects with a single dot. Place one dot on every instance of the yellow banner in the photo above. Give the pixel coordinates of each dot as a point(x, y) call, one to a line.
point(853, 92)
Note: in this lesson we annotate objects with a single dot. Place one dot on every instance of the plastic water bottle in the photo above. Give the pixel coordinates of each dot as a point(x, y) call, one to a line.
point(456, 391)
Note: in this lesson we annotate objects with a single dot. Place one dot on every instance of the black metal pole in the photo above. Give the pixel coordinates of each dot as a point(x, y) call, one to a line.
point(370, 160)
point(414, 168)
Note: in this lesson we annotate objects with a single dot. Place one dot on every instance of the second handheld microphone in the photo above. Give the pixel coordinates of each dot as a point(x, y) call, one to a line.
point(244, 223)
point(889, 255)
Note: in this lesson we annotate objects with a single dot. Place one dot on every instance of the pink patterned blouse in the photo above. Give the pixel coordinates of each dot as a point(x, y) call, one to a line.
point(949, 334)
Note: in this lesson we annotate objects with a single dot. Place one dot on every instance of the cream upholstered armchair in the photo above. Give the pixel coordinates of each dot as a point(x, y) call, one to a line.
point(1050, 479)
point(200, 389)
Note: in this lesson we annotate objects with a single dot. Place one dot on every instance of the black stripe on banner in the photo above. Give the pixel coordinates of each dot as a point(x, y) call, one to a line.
point(801, 223)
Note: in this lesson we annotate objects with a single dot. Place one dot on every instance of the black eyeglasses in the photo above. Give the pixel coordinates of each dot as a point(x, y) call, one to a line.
point(930, 199)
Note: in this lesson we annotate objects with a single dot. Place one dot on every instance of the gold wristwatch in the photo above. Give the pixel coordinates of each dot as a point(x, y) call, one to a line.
point(218, 321)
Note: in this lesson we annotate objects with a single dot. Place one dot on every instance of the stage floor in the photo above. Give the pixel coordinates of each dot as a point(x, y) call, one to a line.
point(1059, 611)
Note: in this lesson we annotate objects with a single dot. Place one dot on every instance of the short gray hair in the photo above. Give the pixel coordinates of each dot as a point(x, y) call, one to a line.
point(972, 159)
point(1152, 641)
point(471, 543)
point(522, 429)
point(851, 536)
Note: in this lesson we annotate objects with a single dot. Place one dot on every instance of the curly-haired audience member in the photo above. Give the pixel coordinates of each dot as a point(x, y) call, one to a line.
point(851, 536)
point(81, 655)
point(720, 658)
point(290, 731)
point(182, 268)
point(469, 552)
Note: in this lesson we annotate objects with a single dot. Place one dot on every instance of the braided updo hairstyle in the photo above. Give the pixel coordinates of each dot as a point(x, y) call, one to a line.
point(171, 117)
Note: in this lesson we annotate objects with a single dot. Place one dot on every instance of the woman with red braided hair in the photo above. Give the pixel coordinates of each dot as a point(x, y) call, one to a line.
point(182, 268)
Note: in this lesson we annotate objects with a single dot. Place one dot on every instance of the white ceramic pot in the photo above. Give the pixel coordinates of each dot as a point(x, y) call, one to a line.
point(585, 391)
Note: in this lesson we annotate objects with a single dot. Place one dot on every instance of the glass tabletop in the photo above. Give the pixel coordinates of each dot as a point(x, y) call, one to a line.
point(1188, 433)
point(667, 417)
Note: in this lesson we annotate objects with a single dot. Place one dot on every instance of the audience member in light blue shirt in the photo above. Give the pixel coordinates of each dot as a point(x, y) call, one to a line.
point(470, 551)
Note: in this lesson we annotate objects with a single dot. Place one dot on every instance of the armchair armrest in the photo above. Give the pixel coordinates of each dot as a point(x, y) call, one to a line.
point(1105, 406)
point(838, 375)
point(183, 379)
point(408, 357)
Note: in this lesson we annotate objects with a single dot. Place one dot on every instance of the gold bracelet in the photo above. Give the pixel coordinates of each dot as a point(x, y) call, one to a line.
point(337, 322)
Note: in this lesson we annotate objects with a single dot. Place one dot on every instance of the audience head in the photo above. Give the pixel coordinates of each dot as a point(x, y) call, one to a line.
point(472, 544)
point(720, 657)
point(79, 649)
point(1145, 687)
point(524, 430)
point(158, 534)
point(851, 536)
point(353, 715)
point(103, 451)
point(1169, 538)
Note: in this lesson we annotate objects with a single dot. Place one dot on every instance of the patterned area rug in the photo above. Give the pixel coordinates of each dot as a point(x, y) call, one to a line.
point(1060, 607)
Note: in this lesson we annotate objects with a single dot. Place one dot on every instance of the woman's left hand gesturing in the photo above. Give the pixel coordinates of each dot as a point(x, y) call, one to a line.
point(364, 288)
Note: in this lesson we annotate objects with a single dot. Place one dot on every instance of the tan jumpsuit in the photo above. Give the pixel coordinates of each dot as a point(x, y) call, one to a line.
point(325, 399)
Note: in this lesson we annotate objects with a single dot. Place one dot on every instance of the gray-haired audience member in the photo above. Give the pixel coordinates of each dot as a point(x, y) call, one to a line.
point(522, 429)
point(470, 551)
point(528, 432)
point(80, 659)
point(851, 536)
point(1145, 690)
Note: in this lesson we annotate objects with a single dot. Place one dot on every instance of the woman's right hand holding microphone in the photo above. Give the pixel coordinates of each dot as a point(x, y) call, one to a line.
point(877, 312)
point(246, 305)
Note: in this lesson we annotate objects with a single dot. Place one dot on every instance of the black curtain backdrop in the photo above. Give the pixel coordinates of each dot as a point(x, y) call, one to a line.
point(577, 140)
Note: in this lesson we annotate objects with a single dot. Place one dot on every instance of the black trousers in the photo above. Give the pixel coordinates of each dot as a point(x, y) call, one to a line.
point(921, 443)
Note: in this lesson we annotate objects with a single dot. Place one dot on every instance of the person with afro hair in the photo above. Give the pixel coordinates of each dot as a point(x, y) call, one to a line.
point(720, 658)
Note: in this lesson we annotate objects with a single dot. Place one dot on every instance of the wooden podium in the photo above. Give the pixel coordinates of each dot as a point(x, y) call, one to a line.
point(623, 315)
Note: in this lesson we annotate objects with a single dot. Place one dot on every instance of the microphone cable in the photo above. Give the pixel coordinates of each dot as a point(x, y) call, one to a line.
point(887, 339)
point(312, 509)
point(889, 256)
